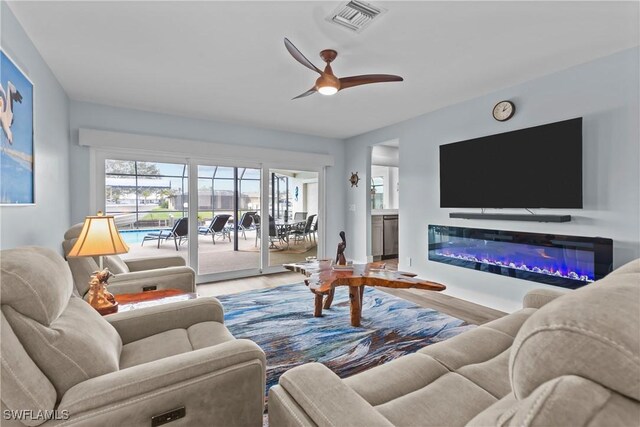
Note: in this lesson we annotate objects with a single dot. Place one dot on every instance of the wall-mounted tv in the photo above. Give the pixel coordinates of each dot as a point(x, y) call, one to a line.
point(537, 167)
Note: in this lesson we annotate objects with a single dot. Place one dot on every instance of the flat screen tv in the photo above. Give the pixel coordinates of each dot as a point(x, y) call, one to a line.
point(537, 167)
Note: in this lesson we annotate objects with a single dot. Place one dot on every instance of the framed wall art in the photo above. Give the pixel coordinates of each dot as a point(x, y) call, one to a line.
point(17, 177)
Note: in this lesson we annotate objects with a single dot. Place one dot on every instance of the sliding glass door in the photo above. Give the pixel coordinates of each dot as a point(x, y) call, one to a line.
point(293, 216)
point(226, 220)
point(228, 200)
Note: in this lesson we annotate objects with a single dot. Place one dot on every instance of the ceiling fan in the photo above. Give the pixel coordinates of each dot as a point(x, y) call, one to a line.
point(328, 83)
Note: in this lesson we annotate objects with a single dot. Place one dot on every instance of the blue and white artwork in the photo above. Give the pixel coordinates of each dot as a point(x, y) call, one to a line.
point(16, 136)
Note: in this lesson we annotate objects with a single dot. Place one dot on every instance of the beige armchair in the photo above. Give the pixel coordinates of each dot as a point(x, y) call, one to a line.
point(565, 359)
point(59, 354)
point(131, 276)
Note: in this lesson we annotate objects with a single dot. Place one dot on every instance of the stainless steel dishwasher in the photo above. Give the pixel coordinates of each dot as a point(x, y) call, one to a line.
point(389, 236)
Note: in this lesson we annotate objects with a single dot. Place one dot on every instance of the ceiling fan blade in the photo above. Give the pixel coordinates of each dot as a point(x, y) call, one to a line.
point(365, 79)
point(307, 93)
point(298, 56)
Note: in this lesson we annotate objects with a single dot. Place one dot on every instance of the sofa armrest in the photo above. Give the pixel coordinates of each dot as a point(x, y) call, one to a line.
point(186, 371)
point(326, 399)
point(183, 278)
point(141, 264)
point(539, 297)
point(143, 322)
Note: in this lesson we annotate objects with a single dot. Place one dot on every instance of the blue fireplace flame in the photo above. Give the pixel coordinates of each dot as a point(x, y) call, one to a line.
point(566, 263)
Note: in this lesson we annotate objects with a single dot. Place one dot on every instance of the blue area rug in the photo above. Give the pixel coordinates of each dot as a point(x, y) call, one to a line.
point(280, 320)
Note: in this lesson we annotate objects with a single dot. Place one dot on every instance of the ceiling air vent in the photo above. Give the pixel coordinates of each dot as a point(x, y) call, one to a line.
point(355, 15)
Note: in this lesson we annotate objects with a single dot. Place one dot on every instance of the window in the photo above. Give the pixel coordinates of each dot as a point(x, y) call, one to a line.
point(216, 191)
point(145, 194)
point(377, 192)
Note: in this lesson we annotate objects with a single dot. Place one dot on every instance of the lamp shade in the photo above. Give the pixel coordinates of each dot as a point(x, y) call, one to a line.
point(99, 236)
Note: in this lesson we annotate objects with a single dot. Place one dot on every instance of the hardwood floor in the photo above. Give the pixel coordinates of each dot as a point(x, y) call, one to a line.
point(465, 310)
point(468, 311)
point(235, 286)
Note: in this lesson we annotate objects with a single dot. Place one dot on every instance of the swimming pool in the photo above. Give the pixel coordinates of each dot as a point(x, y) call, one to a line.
point(136, 236)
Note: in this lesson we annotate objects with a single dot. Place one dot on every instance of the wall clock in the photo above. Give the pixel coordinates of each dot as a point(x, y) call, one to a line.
point(504, 110)
point(354, 179)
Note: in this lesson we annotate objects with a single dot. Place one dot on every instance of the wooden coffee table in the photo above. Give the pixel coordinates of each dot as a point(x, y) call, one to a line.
point(127, 302)
point(356, 279)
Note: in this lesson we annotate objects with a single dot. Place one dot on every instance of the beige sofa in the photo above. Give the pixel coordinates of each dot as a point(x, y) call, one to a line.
point(131, 276)
point(59, 354)
point(563, 360)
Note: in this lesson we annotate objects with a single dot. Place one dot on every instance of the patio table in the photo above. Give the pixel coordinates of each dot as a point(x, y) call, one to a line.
point(284, 228)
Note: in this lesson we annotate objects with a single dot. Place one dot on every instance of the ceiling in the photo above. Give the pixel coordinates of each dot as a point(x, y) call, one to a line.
point(226, 60)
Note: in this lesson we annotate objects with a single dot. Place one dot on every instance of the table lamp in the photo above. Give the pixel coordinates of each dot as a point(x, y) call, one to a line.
point(99, 237)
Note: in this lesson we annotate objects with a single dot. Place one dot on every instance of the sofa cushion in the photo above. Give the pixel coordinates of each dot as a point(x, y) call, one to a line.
point(468, 372)
point(175, 341)
point(451, 400)
point(155, 347)
point(23, 384)
point(495, 414)
point(591, 332)
point(115, 264)
point(396, 378)
point(207, 334)
point(474, 346)
point(481, 355)
point(73, 232)
point(536, 298)
point(564, 401)
point(76, 346)
point(82, 269)
point(512, 323)
point(632, 267)
point(492, 375)
point(325, 398)
point(38, 293)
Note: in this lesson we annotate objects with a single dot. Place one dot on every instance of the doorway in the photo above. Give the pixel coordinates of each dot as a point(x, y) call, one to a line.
point(384, 194)
point(228, 200)
point(293, 216)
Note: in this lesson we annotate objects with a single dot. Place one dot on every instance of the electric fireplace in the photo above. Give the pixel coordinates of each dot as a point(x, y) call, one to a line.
point(567, 261)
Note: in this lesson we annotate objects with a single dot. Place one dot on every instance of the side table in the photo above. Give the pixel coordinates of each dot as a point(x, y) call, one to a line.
point(127, 302)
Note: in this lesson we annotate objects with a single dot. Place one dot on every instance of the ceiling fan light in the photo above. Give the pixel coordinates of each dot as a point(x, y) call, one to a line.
point(327, 90)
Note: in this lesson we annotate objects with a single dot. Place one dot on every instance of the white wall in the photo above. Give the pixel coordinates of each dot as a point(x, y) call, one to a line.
point(44, 223)
point(604, 92)
point(102, 117)
point(383, 155)
point(311, 198)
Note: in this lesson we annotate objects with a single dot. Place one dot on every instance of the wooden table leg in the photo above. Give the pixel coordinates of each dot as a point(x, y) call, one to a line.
point(361, 295)
point(356, 308)
point(318, 306)
point(329, 299)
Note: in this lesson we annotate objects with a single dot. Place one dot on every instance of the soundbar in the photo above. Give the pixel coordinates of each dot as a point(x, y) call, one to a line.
point(511, 217)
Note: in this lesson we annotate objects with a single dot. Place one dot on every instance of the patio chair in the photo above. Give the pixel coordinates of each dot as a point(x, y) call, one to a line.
point(300, 216)
point(273, 232)
point(301, 233)
point(246, 222)
point(179, 231)
point(314, 228)
point(217, 227)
